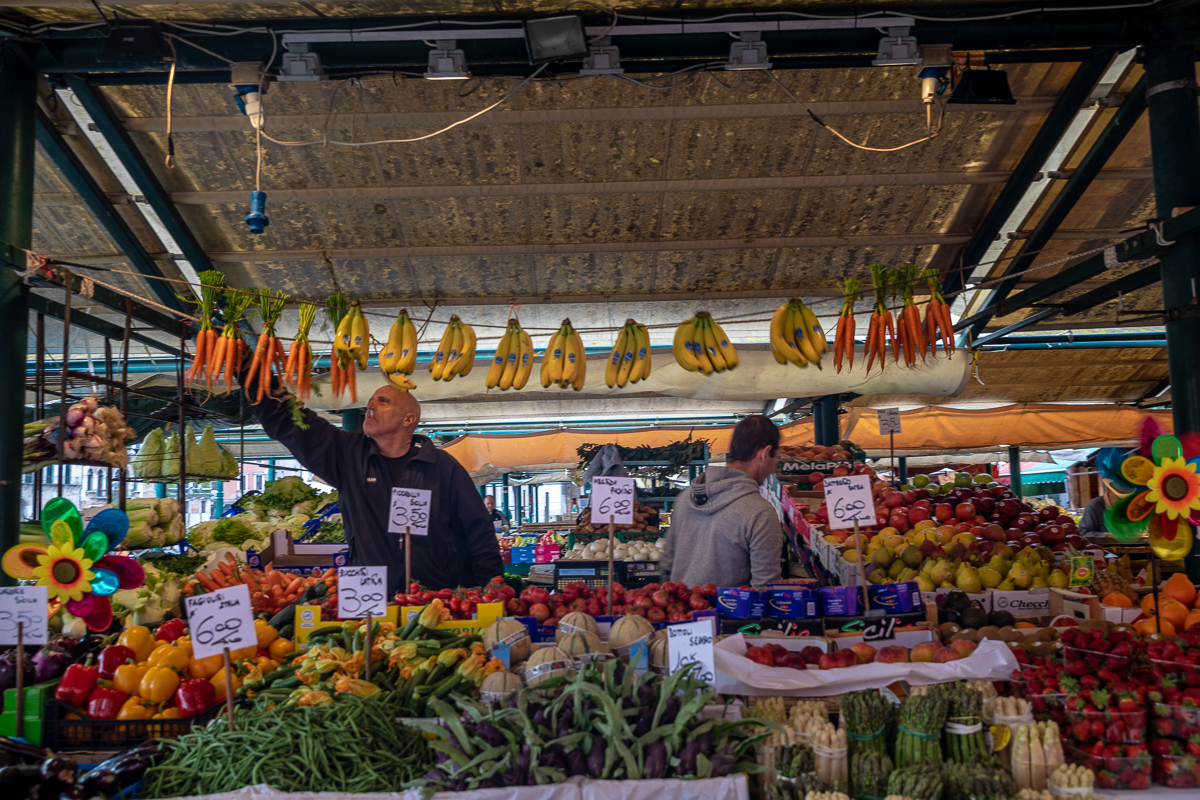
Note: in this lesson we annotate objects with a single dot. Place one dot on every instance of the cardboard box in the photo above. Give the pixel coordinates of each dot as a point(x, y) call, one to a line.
point(308, 619)
point(740, 603)
point(984, 598)
point(547, 553)
point(909, 638)
point(792, 602)
point(1026, 603)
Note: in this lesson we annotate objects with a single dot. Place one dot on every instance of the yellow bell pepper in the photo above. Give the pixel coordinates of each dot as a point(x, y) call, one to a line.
point(166, 713)
point(280, 648)
point(158, 685)
point(266, 665)
point(135, 708)
point(128, 677)
point(185, 643)
point(218, 682)
point(168, 655)
point(265, 632)
point(140, 640)
point(244, 654)
point(205, 667)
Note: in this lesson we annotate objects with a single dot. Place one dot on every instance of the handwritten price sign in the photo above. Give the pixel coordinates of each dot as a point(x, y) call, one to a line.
point(692, 643)
point(362, 591)
point(613, 497)
point(409, 510)
point(849, 500)
point(221, 619)
point(889, 420)
point(23, 604)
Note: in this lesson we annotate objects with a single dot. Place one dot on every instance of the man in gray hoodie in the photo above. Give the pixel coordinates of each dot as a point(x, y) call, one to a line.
point(723, 531)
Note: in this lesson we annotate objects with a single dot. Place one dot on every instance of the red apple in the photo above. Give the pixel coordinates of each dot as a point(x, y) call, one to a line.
point(918, 514)
point(924, 651)
point(760, 655)
point(945, 654)
point(1049, 513)
point(910, 496)
point(792, 661)
point(994, 533)
point(964, 512)
point(893, 500)
point(892, 654)
point(777, 650)
point(864, 652)
point(1013, 534)
point(943, 512)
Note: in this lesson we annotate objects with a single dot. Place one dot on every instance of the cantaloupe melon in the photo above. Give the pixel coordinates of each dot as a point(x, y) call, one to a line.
point(573, 622)
point(658, 654)
point(499, 684)
point(538, 669)
point(626, 631)
point(517, 635)
point(580, 643)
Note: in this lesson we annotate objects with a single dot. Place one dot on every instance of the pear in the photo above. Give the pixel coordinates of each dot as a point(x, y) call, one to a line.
point(1006, 585)
point(990, 577)
point(1039, 583)
point(996, 562)
point(941, 573)
point(877, 577)
point(1041, 571)
point(894, 569)
point(946, 585)
point(1003, 550)
point(924, 583)
point(1021, 576)
point(883, 557)
point(968, 580)
point(911, 557)
point(927, 567)
point(1058, 579)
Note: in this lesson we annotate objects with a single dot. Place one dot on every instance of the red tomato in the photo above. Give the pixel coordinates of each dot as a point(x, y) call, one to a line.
point(592, 608)
point(555, 599)
point(697, 602)
point(489, 597)
point(570, 592)
point(508, 591)
point(496, 581)
point(644, 603)
point(518, 608)
point(661, 599)
point(414, 588)
point(652, 587)
point(709, 590)
point(539, 611)
point(455, 604)
point(635, 611)
point(444, 594)
point(656, 615)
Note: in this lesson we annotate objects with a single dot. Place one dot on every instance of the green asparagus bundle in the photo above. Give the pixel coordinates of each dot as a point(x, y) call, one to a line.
point(919, 740)
point(983, 780)
point(921, 782)
point(794, 760)
point(864, 716)
point(869, 771)
point(964, 711)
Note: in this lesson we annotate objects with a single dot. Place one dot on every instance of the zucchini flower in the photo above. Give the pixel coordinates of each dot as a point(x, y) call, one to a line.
point(308, 677)
point(431, 615)
point(495, 665)
point(352, 666)
point(478, 649)
point(312, 697)
point(386, 628)
point(253, 675)
point(356, 687)
point(472, 669)
point(448, 658)
point(403, 652)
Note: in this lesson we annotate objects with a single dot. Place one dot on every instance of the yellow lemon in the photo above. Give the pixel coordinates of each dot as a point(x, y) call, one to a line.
point(851, 556)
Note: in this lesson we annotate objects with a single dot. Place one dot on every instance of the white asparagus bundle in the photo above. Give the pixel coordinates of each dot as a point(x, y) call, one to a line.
point(1073, 776)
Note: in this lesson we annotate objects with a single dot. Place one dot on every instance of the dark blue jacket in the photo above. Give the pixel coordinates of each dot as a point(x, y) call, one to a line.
point(461, 548)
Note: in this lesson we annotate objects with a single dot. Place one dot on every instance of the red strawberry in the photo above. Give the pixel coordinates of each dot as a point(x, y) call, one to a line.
point(1193, 746)
point(1126, 703)
point(1165, 747)
point(1082, 730)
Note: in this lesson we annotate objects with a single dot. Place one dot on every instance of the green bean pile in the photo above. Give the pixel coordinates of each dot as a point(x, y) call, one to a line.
point(351, 746)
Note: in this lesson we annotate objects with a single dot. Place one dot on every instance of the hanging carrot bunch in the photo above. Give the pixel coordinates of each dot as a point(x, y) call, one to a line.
point(211, 283)
point(268, 353)
point(881, 318)
point(341, 365)
point(230, 347)
point(937, 317)
point(297, 369)
point(910, 335)
point(895, 279)
point(843, 341)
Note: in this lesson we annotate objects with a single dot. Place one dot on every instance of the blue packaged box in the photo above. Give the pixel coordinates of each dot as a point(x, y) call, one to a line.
point(791, 603)
point(840, 601)
point(895, 598)
point(524, 554)
point(740, 603)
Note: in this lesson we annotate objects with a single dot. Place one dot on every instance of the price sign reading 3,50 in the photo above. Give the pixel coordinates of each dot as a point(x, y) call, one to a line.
point(889, 420)
point(613, 497)
point(692, 643)
point(23, 604)
point(362, 591)
point(409, 512)
point(849, 500)
point(221, 619)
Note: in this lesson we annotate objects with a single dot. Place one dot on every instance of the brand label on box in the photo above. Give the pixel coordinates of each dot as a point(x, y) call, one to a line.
point(791, 603)
point(895, 598)
point(1031, 603)
point(839, 601)
point(740, 603)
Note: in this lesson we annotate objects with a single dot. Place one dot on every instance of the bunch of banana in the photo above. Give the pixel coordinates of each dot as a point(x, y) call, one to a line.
point(352, 340)
point(564, 361)
point(456, 352)
point(701, 344)
point(398, 357)
point(630, 359)
point(796, 335)
point(513, 361)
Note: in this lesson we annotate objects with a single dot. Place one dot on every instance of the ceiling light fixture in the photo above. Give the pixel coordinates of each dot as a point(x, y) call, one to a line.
point(301, 64)
point(749, 53)
point(558, 38)
point(897, 49)
point(447, 63)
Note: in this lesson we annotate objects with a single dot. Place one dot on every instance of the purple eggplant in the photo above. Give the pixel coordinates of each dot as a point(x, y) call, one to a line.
point(49, 663)
point(65, 642)
point(656, 760)
point(60, 769)
point(15, 780)
point(8, 670)
point(577, 763)
point(596, 756)
point(103, 782)
point(723, 762)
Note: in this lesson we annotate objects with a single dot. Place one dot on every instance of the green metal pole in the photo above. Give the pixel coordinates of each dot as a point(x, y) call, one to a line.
point(1175, 150)
point(504, 492)
point(160, 490)
point(218, 498)
point(18, 87)
point(1014, 470)
point(271, 469)
point(902, 469)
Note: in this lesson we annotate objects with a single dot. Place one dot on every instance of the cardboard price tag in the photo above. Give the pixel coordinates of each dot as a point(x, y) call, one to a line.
point(409, 511)
point(849, 500)
point(613, 497)
point(889, 420)
point(362, 591)
point(23, 604)
point(221, 619)
point(692, 643)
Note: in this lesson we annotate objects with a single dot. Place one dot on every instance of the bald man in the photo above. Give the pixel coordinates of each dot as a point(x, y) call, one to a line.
point(461, 548)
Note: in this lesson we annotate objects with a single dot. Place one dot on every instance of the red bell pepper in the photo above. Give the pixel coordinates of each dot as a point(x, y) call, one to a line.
point(112, 657)
point(105, 702)
point(170, 631)
point(194, 697)
point(77, 683)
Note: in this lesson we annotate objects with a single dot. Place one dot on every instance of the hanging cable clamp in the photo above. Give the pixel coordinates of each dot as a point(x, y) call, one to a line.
point(1166, 86)
point(1158, 234)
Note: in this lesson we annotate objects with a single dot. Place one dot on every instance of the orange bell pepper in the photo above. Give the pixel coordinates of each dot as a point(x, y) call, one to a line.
point(265, 632)
point(140, 640)
point(218, 682)
point(266, 665)
point(159, 684)
point(135, 708)
point(205, 667)
point(280, 648)
point(128, 678)
point(168, 655)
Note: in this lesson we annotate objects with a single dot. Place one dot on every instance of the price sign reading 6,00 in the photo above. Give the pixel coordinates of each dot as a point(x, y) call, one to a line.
point(23, 604)
point(221, 619)
point(613, 497)
point(849, 500)
point(362, 591)
point(409, 512)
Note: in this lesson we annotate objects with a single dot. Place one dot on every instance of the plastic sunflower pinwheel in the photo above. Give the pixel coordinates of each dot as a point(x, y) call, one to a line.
point(1164, 502)
point(75, 567)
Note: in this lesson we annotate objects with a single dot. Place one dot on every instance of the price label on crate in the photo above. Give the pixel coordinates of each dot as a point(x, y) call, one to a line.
point(849, 500)
point(692, 643)
point(221, 619)
point(362, 591)
point(613, 497)
point(23, 604)
point(889, 420)
point(409, 512)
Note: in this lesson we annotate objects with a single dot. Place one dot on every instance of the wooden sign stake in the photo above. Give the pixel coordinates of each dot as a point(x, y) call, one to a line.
point(20, 726)
point(892, 446)
point(862, 571)
point(612, 535)
point(367, 655)
point(407, 559)
point(228, 688)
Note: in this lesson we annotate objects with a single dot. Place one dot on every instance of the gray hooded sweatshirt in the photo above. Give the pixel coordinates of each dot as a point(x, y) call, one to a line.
point(723, 532)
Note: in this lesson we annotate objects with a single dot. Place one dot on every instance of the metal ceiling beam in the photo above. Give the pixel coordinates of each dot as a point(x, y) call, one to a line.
point(102, 327)
point(102, 208)
point(1113, 289)
point(1064, 202)
point(1027, 170)
point(1032, 319)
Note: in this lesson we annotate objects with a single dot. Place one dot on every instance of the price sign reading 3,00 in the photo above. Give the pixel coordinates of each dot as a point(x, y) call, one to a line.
point(613, 497)
point(409, 512)
point(362, 591)
point(221, 619)
point(23, 604)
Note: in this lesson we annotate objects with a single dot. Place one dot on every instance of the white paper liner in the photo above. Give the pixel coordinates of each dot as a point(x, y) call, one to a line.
point(1070, 791)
